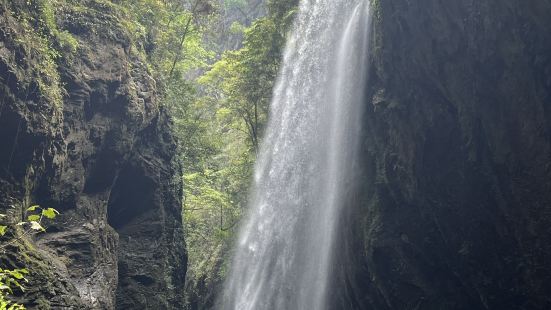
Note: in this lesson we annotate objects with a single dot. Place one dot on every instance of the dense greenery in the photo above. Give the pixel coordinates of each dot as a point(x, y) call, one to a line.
point(219, 102)
point(220, 123)
point(218, 98)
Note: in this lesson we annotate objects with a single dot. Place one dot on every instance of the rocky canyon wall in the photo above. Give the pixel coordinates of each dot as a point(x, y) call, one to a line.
point(455, 206)
point(82, 131)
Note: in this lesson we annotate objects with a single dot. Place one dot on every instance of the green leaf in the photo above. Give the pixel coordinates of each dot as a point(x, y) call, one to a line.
point(33, 217)
point(7, 287)
point(3, 230)
point(11, 282)
point(17, 274)
point(32, 208)
point(50, 213)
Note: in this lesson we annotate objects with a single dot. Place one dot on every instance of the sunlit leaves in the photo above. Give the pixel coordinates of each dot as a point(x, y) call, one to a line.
point(10, 280)
point(242, 80)
point(228, 117)
point(50, 213)
point(36, 213)
point(174, 34)
point(32, 208)
point(33, 217)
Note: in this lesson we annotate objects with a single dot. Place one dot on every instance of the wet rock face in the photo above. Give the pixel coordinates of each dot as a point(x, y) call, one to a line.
point(105, 159)
point(455, 207)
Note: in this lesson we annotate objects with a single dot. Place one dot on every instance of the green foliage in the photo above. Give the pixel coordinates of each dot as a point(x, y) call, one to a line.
point(67, 41)
point(282, 11)
point(218, 101)
point(244, 78)
point(33, 223)
point(217, 160)
point(42, 44)
point(220, 127)
point(3, 228)
point(11, 279)
point(49, 213)
point(214, 153)
point(172, 34)
point(237, 28)
point(8, 305)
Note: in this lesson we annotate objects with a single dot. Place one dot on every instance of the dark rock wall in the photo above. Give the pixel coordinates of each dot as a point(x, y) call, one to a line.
point(455, 208)
point(105, 158)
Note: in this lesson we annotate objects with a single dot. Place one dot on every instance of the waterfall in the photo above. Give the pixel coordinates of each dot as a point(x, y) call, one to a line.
point(306, 166)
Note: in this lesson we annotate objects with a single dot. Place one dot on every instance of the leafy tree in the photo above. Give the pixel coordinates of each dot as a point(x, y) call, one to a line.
point(245, 77)
point(172, 33)
point(229, 113)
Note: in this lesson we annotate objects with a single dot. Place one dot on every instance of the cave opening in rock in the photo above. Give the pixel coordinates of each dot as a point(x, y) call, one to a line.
point(132, 195)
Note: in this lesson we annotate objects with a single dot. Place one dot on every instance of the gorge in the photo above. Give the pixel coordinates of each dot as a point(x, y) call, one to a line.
point(404, 164)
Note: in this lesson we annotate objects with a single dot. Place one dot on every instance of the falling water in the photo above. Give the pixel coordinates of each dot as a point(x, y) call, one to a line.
point(284, 253)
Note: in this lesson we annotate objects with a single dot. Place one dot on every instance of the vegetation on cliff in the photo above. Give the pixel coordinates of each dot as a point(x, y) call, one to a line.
point(452, 209)
point(219, 101)
point(217, 98)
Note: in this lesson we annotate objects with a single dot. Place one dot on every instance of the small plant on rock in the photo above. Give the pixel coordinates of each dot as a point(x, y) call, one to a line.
point(11, 279)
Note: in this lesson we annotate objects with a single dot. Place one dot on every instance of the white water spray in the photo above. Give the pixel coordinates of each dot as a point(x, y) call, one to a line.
point(283, 259)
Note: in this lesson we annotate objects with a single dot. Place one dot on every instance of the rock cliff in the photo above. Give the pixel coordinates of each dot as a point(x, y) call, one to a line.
point(82, 131)
point(454, 207)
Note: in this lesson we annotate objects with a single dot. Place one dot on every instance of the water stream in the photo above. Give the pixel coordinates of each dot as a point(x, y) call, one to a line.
point(283, 258)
